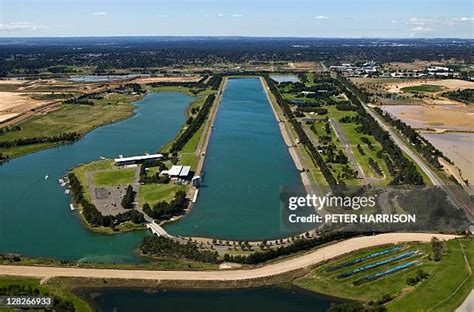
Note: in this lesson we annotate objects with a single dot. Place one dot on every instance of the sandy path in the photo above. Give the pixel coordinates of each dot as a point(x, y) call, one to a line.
point(277, 268)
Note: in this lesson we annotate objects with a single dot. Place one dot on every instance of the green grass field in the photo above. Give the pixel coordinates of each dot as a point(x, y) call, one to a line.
point(445, 277)
point(51, 288)
point(422, 88)
point(116, 176)
point(153, 193)
point(69, 118)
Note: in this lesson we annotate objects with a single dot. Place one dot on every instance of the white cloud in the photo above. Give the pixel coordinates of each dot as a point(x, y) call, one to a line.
point(100, 13)
point(237, 15)
point(18, 26)
point(321, 17)
point(220, 14)
point(439, 21)
point(420, 28)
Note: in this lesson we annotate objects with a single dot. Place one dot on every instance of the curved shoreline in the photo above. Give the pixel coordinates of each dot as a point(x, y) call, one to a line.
point(305, 261)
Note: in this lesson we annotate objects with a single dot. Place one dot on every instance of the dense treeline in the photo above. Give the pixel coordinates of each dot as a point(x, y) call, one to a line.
point(90, 212)
point(403, 170)
point(165, 211)
point(148, 54)
point(196, 123)
point(422, 145)
point(317, 158)
point(63, 137)
point(129, 198)
point(465, 96)
point(297, 245)
point(159, 246)
point(16, 290)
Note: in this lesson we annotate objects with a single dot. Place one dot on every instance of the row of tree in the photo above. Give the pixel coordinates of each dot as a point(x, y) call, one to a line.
point(316, 157)
point(63, 137)
point(164, 210)
point(298, 245)
point(129, 198)
point(194, 126)
point(422, 145)
point(405, 172)
point(159, 246)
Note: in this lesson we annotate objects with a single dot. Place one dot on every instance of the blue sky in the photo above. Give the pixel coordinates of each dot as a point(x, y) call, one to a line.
point(300, 18)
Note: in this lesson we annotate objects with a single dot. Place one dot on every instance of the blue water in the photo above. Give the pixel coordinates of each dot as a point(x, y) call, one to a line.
point(185, 300)
point(247, 162)
point(35, 219)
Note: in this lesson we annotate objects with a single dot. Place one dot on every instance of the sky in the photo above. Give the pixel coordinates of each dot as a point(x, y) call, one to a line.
point(268, 18)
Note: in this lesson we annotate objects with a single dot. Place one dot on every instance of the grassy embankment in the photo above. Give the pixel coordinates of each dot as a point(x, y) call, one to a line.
point(51, 288)
point(448, 278)
point(69, 118)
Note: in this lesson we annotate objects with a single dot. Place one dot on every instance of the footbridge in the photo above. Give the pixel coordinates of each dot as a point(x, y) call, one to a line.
point(157, 229)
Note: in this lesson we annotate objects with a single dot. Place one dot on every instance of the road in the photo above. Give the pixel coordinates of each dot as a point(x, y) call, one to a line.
point(347, 146)
point(303, 261)
point(405, 147)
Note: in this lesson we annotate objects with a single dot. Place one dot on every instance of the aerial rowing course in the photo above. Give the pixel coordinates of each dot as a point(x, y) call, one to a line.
point(276, 268)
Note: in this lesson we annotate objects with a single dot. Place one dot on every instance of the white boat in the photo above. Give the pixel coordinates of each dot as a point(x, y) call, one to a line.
point(63, 184)
point(71, 207)
point(46, 177)
point(66, 192)
point(61, 181)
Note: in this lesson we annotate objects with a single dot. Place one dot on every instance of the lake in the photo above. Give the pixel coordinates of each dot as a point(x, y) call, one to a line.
point(238, 300)
point(35, 218)
point(459, 147)
point(285, 77)
point(247, 162)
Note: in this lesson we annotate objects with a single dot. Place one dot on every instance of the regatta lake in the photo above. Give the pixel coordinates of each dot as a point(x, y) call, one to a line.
point(247, 162)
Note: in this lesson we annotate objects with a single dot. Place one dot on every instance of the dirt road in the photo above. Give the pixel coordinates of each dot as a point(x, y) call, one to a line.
point(303, 261)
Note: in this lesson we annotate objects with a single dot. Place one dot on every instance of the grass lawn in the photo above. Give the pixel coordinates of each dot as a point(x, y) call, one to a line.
point(422, 88)
point(69, 118)
point(153, 193)
point(52, 288)
point(116, 176)
point(81, 172)
point(445, 276)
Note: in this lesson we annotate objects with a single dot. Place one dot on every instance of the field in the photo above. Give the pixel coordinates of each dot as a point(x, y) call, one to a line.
point(153, 193)
point(422, 88)
point(445, 276)
point(69, 118)
point(342, 135)
point(117, 176)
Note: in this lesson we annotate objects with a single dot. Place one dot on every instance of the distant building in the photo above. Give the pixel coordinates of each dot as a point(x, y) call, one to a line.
point(122, 161)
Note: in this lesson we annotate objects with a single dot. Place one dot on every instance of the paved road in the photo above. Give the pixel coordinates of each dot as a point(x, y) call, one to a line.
point(303, 261)
point(404, 146)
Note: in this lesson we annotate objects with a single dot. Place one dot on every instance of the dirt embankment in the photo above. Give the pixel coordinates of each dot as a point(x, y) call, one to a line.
point(282, 267)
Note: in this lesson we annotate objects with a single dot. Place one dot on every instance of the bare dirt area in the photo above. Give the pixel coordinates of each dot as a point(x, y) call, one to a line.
point(145, 80)
point(15, 103)
point(446, 84)
point(457, 118)
point(305, 66)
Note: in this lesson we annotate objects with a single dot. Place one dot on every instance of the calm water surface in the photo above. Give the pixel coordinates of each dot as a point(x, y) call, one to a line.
point(249, 300)
point(285, 78)
point(35, 218)
point(246, 163)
